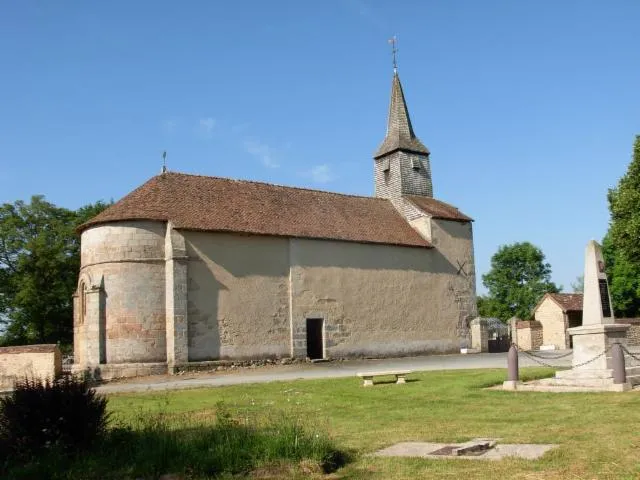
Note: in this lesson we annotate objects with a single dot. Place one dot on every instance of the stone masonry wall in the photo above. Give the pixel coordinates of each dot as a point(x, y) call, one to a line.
point(554, 332)
point(453, 241)
point(176, 297)
point(31, 361)
point(375, 300)
point(238, 296)
point(126, 260)
point(528, 335)
point(633, 334)
point(249, 296)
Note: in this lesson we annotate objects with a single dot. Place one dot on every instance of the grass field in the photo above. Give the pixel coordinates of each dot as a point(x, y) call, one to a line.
point(598, 433)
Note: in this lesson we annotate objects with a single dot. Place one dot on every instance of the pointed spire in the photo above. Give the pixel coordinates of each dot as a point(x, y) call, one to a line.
point(400, 134)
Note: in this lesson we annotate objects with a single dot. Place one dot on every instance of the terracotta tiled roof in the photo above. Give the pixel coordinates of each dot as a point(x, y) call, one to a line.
point(438, 209)
point(570, 302)
point(193, 202)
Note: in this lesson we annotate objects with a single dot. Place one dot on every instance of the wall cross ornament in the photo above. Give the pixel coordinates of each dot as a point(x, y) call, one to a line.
point(461, 270)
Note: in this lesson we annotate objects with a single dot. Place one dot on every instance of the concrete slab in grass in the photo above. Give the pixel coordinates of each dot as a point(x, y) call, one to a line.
point(487, 450)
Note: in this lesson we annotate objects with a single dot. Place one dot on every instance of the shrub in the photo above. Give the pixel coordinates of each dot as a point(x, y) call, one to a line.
point(63, 414)
point(224, 446)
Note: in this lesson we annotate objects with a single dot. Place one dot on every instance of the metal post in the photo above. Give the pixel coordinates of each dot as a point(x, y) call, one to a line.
point(512, 364)
point(617, 361)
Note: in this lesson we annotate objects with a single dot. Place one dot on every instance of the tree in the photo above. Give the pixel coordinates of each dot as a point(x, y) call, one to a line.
point(578, 285)
point(621, 245)
point(39, 263)
point(518, 279)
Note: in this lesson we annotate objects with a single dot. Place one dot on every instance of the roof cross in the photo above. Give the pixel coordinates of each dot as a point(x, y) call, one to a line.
point(164, 162)
point(394, 51)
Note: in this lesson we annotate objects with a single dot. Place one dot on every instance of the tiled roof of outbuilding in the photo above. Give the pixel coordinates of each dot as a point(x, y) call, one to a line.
point(194, 202)
point(437, 209)
point(569, 302)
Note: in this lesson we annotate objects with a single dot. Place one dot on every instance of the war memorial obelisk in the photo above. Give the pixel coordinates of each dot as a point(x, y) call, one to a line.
point(593, 340)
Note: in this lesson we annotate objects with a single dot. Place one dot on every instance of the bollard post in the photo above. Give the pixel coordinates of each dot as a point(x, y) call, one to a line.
point(512, 365)
point(617, 362)
point(513, 375)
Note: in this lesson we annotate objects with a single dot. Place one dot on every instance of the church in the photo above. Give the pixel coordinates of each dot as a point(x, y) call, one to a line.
point(187, 269)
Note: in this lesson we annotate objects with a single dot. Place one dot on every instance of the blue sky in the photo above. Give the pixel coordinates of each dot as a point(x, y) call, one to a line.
point(529, 108)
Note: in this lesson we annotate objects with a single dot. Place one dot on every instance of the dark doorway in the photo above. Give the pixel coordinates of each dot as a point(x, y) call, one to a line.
point(314, 338)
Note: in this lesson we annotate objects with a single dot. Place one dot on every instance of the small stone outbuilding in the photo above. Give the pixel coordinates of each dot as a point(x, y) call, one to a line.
point(37, 362)
point(557, 312)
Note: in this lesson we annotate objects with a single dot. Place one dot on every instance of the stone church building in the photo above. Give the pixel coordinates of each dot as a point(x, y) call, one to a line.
point(190, 268)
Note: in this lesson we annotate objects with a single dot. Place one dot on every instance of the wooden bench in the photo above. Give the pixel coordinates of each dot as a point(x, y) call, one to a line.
point(367, 377)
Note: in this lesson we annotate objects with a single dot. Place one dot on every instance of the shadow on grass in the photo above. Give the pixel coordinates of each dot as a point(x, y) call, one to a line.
point(157, 447)
point(526, 374)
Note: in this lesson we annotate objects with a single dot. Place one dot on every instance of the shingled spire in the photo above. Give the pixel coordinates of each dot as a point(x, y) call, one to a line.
point(400, 135)
point(402, 164)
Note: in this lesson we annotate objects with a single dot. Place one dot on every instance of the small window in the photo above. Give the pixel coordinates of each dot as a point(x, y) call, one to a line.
point(416, 164)
point(385, 165)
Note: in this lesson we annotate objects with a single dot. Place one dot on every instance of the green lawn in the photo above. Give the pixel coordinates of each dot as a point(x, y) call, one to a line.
point(598, 433)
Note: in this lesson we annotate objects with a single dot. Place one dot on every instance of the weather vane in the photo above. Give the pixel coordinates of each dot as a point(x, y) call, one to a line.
point(164, 161)
point(394, 50)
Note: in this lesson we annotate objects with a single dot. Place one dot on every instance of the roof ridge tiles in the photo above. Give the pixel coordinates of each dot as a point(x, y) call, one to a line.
point(258, 182)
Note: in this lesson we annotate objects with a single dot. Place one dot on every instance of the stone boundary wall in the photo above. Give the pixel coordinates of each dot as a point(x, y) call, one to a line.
point(633, 334)
point(528, 335)
point(29, 361)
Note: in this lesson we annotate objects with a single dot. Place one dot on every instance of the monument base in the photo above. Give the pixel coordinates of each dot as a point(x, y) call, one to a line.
point(590, 341)
point(592, 362)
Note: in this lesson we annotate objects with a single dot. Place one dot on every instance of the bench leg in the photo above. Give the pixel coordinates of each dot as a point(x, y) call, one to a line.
point(400, 379)
point(367, 381)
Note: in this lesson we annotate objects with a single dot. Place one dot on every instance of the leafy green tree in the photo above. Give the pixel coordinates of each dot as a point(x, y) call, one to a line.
point(624, 280)
point(624, 205)
point(518, 279)
point(39, 262)
point(578, 285)
point(621, 245)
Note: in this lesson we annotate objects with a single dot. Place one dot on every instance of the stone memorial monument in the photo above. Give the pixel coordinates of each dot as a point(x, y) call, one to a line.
point(592, 341)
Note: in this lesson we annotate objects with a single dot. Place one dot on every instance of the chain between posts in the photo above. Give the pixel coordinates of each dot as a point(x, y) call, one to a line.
point(624, 349)
point(537, 358)
point(530, 353)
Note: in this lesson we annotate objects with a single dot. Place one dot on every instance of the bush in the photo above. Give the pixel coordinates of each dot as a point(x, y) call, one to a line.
point(63, 414)
point(225, 447)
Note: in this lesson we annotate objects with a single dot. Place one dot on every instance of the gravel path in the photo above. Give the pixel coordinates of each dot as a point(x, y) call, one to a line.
point(323, 370)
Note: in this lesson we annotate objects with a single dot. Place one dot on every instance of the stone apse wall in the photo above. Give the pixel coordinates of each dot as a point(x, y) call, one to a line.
point(32, 361)
point(120, 304)
point(152, 295)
